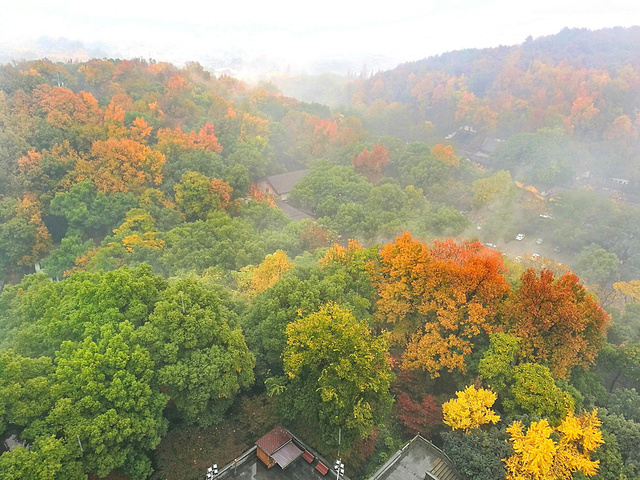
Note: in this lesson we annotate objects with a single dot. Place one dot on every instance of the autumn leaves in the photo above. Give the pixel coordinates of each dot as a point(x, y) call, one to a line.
point(439, 301)
point(442, 302)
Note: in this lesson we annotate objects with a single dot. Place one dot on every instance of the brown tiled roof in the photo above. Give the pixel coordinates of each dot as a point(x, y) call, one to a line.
point(274, 440)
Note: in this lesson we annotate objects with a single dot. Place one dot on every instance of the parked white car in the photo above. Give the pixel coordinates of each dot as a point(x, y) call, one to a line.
point(520, 237)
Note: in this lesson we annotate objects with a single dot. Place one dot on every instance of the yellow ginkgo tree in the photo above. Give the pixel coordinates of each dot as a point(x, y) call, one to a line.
point(538, 456)
point(470, 410)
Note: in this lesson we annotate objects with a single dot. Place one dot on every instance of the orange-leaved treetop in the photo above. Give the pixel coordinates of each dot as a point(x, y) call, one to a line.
point(438, 300)
point(559, 322)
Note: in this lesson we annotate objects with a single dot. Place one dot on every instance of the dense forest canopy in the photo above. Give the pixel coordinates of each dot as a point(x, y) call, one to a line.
point(177, 314)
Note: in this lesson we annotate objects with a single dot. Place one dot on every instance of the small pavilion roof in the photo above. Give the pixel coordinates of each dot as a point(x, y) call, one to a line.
point(274, 440)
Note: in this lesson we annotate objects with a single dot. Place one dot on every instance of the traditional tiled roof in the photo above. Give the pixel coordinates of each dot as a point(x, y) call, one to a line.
point(292, 212)
point(418, 460)
point(274, 440)
point(284, 182)
point(490, 145)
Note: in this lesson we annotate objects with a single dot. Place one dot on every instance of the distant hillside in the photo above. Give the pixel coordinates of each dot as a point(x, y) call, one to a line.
point(585, 84)
point(578, 47)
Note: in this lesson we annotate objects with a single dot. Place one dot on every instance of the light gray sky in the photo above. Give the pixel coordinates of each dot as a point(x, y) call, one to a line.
point(299, 33)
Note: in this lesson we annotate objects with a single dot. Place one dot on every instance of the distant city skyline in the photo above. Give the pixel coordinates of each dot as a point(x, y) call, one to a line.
point(327, 35)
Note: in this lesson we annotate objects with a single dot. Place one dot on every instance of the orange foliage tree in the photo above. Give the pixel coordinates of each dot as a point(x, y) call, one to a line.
point(43, 173)
point(121, 165)
point(439, 299)
point(205, 139)
point(372, 161)
point(558, 320)
point(118, 106)
point(30, 209)
point(63, 108)
point(140, 130)
point(446, 154)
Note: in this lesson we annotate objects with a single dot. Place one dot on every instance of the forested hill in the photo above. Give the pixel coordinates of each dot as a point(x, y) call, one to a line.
point(605, 49)
point(179, 315)
point(584, 82)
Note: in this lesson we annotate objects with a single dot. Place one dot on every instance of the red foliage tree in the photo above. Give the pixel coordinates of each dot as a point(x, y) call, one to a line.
point(558, 320)
point(372, 161)
point(419, 417)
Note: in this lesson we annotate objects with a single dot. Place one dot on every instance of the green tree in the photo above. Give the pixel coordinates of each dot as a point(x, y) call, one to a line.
point(498, 189)
point(299, 293)
point(597, 266)
point(205, 163)
point(195, 196)
point(254, 155)
point(90, 212)
point(524, 388)
point(478, 454)
point(102, 395)
point(24, 388)
point(329, 186)
point(39, 315)
point(47, 458)
point(201, 360)
point(627, 435)
point(63, 258)
point(534, 391)
point(496, 365)
point(220, 240)
point(338, 374)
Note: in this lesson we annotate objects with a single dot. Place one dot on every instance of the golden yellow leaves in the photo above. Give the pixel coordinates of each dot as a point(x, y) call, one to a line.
point(630, 291)
point(269, 271)
point(470, 410)
point(534, 451)
point(254, 280)
point(537, 456)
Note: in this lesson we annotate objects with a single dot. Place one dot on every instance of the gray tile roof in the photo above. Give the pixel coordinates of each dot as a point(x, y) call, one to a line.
point(418, 460)
point(284, 182)
point(292, 212)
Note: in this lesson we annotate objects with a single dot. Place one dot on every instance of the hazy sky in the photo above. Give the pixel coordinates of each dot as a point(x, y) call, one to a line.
point(300, 32)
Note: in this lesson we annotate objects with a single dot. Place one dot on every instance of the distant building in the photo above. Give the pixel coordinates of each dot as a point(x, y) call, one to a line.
point(293, 213)
point(490, 145)
point(280, 185)
point(481, 159)
point(620, 181)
